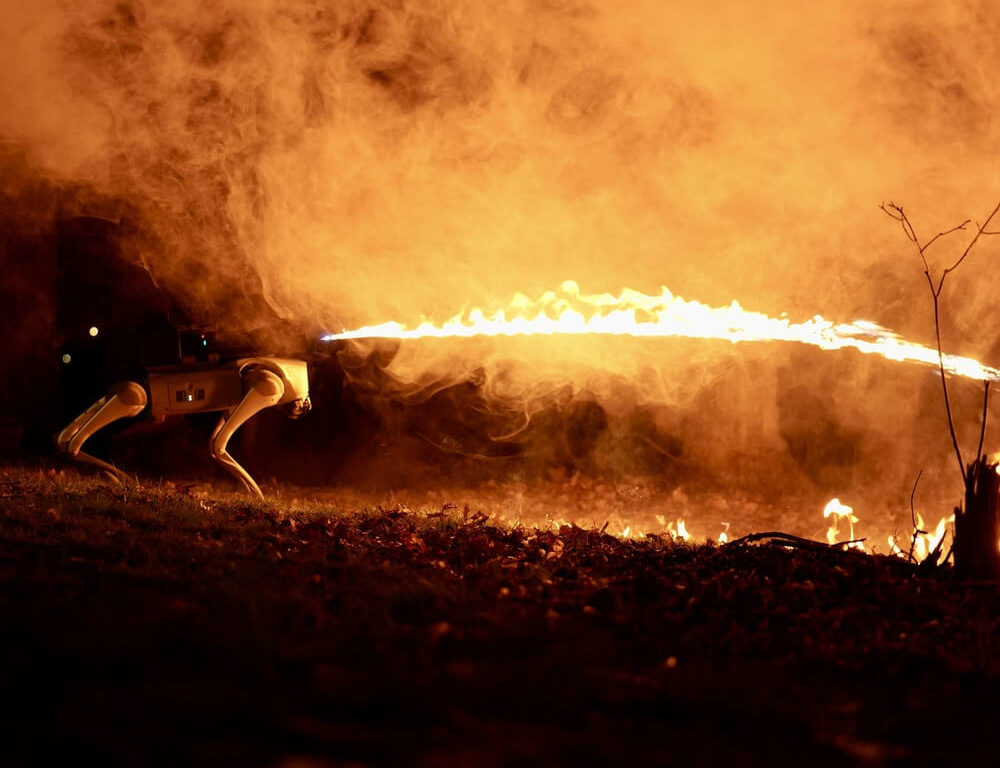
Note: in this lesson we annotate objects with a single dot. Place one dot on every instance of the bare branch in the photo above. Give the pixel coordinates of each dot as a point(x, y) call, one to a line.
point(982, 427)
point(947, 232)
point(894, 211)
point(968, 248)
point(913, 519)
point(790, 540)
point(944, 383)
point(913, 513)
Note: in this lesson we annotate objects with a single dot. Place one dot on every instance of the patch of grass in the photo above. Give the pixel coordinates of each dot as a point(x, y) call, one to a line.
point(156, 625)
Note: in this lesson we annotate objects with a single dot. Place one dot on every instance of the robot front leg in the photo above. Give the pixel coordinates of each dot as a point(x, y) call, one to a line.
point(123, 400)
point(264, 389)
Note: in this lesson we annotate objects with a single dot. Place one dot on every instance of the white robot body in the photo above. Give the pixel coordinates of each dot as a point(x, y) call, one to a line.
point(177, 390)
point(239, 389)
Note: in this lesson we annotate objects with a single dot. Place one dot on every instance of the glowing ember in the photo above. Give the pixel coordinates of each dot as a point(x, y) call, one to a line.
point(838, 512)
point(631, 313)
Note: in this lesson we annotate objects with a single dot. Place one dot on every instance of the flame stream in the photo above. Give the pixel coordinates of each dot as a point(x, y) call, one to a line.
point(636, 314)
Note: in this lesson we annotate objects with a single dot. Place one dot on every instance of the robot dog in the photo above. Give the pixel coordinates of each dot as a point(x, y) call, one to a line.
point(239, 388)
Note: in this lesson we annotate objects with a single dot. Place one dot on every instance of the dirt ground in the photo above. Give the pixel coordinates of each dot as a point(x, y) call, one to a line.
point(164, 626)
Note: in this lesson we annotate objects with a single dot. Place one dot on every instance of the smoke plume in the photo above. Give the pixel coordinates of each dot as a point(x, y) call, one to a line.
point(355, 161)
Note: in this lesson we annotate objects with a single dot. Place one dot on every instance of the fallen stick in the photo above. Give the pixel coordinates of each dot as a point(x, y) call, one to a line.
point(790, 540)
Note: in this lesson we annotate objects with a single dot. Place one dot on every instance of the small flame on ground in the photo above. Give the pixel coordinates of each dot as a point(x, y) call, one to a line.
point(922, 541)
point(631, 313)
point(839, 512)
point(676, 529)
point(682, 532)
point(724, 536)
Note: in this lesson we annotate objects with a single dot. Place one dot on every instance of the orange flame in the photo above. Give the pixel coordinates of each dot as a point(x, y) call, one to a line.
point(839, 512)
point(923, 540)
point(676, 530)
point(568, 311)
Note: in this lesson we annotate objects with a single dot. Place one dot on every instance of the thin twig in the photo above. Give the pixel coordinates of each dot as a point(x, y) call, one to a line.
point(913, 543)
point(930, 242)
point(982, 427)
point(789, 540)
point(968, 248)
point(944, 383)
point(917, 531)
point(913, 492)
point(752, 537)
point(897, 213)
point(846, 544)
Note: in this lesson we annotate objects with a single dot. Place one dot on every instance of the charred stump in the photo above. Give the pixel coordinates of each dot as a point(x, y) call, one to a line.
point(977, 528)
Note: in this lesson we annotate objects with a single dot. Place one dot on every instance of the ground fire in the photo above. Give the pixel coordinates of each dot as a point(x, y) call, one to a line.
point(630, 313)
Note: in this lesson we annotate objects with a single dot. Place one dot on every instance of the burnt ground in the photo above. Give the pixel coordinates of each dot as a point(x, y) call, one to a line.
point(157, 626)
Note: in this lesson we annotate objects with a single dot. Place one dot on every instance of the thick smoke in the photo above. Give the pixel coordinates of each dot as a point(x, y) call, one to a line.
point(354, 162)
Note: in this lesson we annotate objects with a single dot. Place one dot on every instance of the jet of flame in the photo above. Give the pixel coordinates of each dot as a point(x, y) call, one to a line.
point(631, 313)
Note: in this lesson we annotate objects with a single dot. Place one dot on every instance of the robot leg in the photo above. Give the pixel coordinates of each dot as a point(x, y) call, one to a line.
point(124, 399)
point(264, 389)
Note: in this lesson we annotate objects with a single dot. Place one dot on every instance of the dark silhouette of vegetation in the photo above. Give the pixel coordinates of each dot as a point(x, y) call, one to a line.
point(977, 526)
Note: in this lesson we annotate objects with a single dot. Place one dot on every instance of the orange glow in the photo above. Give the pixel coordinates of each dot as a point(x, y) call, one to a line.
point(630, 313)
